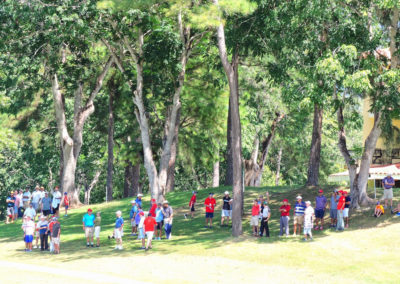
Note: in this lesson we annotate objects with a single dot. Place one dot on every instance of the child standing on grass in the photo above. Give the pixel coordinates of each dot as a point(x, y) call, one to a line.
point(266, 214)
point(149, 224)
point(49, 233)
point(119, 224)
point(29, 229)
point(43, 226)
point(192, 203)
point(308, 221)
point(160, 221)
point(340, 208)
point(66, 203)
point(141, 229)
point(378, 210)
point(132, 215)
point(284, 220)
point(97, 224)
point(55, 235)
point(255, 212)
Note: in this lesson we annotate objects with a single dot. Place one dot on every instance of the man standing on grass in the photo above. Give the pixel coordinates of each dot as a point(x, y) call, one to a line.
point(340, 208)
point(19, 203)
point(160, 221)
point(320, 205)
point(30, 211)
point(10, 207)
point(55, 235)
point(88, 227)
point(333, 208)
point(26, 197)
point(255, 212)
point(149, 224)
point(210, 206)
point(153, 208)
point(346, 208)
point(226, 208)
point(56, 201)
point(308, 221)
point(298, 215)
point(168, 218)
point(388, 183)
point(36, 195)
point(46, 204)
point(284, 220)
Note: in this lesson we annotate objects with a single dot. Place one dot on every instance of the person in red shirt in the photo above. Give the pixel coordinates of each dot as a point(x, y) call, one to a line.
point(255, 212)
point(210, 206)
point(149, 225)
point(340, 208)
point(152, 211)
point(66, 203)
point(284, 221)
point(192, 203)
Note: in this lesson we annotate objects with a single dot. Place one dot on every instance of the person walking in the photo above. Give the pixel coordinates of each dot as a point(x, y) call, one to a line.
point(284, 220)
point(88, 227)
point(26, 198)
point(168, 218)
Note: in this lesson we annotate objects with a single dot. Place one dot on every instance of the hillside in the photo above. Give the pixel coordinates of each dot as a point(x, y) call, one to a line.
point(197, 255)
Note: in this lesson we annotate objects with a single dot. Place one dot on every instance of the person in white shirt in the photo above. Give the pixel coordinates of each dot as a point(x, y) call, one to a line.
point(265, 215)
point(308, 220)
point(56, 200)
point(29, 228)
point(36, 195)
point(26, 197)
point(30, 212)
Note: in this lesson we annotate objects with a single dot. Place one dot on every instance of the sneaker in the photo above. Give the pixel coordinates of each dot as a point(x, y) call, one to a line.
point(347, 225)
point(116, 248)
point(92, 245)
point(35, 247)
point(311, 239)
point(321, 228)
point(120, 248)
point(305, 239)
point(185, 216)
point(206, 227)
point(142, 248)
point(87, 245)
point(316, 229)
point(97, 246)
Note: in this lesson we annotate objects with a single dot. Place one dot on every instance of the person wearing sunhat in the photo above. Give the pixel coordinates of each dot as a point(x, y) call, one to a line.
point(340, 208)
point(88, 227)
point(210, 206)
point(388, 183)
point(132, 216)
point(298, 215)
point(320, 205)
point(284, 220)
point(168, 217)
point(226, 209)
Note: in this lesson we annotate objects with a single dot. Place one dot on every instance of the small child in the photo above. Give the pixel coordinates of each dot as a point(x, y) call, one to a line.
point(149, 224)
point(49, 233)
point(29, 229)
point(378, 210)
point(160, 221)
point(132, 215)
point(141, 229)
point(55, 235)
point(266, 214)
point(255, 212)
point(119, 224)
point(192, 203)
point(43, 225)
point(97, 224)
point(137, 216)
point(308, 220)
point(66, 203)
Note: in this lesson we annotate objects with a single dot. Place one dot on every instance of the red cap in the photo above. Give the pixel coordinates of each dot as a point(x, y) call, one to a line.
point(153, 200)
point(344, 192)
point(285, 200)
point(89, 210)
point(320, 191)
point(341, 191)
point(141, 213)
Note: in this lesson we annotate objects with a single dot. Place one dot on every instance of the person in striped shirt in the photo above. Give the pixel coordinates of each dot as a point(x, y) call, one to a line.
point(298, 215)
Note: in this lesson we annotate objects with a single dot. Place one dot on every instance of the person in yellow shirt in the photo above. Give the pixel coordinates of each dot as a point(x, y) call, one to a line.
point(379, 210)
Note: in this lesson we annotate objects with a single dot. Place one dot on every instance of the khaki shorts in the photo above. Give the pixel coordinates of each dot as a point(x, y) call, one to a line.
point(388, 193)
point(55, 241)
point(89, 232)
point(254, 221)
point(298, 220)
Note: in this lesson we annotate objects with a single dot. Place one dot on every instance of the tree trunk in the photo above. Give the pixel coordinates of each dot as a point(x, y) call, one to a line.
point(216, 172)
point(315, 151)
point(110, 162)
point(251, 166)
point(61, 169)
point(88, 189)
point(231, 71)
point(131, 179)
point(174, 152)
point(229, 158)
point(278, 167)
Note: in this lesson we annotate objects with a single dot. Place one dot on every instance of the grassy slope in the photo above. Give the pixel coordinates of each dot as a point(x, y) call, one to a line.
point(366, 252)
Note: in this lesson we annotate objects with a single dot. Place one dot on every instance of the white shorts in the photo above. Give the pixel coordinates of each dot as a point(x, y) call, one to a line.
point(388, 193)
point(149, 235)
point(254, 221)
point(307, 231)
point(345, 212)
point(117, 234)
point(97, 232)
point(55, 241)
point(225, 213)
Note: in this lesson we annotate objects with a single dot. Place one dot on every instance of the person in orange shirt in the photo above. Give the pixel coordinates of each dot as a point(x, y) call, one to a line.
point(378, 210)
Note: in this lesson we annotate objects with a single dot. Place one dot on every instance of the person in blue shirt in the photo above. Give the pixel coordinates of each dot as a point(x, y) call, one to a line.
point(388, 183)
point(298, 214)
point(88, 227)
point(159, 220)
point(139, 200)
point(10, 207)
point(43, 226)
point(132, 216)
point(119, 224)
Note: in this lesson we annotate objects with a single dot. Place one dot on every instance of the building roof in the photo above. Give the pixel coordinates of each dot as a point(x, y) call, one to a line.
point(375, 172)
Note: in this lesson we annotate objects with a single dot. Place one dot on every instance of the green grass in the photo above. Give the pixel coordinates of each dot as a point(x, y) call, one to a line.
point(366, 252)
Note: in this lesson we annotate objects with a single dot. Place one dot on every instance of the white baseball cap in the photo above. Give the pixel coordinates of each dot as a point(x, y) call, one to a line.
point(140, 195)
point(133, 201)
point(226, 192)
point(298, 197)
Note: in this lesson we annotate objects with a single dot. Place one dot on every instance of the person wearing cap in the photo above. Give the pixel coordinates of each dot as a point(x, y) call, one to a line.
point(46, 204)
point(340, 208)
point(66, 203)
point(210, 206)
point(333, 208)
point(284, 220)
point(168, 218)
point(298, 215)
point(119, 224)
point(153, 208)
point(88, 227)
point(379, 210)
point(10, 207)
point(30, 211)
point(29, 229)
point(141, 235)
point(160, 221)
point(346, 208)
point(320, 206)
point(149, 225)
point(139, 200)
point(43, 226)
point(192, 203)
point(36, 195)
point(19, 203)
point(226, 208)
point(55, 235)
point(308, 221)
point(26, 197)
point(97, 228)
point(388, 183)
point(266, 215)
point(255, 212)
point(132, 216)
point(50, 231)
point(56, 200)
